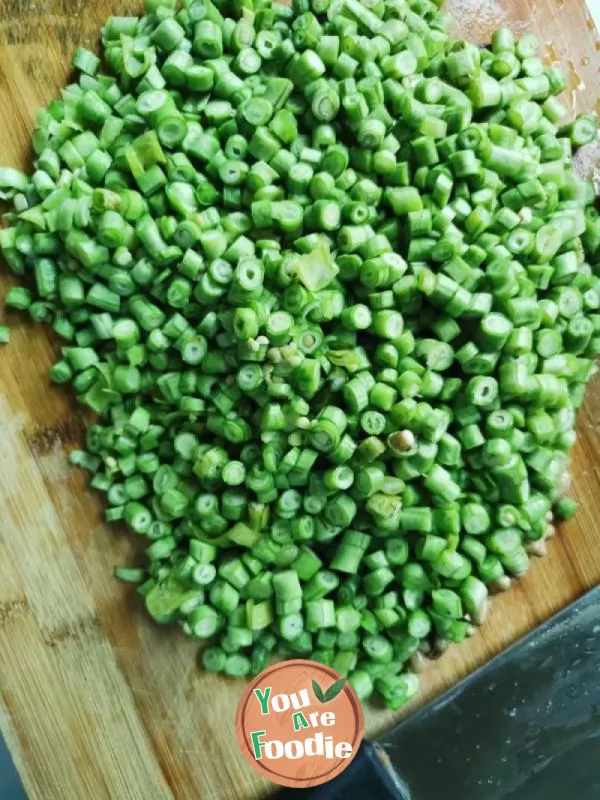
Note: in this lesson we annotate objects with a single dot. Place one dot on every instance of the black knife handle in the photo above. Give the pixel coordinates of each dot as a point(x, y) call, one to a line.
point(367, 778)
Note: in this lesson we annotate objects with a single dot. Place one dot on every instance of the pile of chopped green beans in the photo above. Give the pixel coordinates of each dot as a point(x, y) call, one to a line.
point(330, 284)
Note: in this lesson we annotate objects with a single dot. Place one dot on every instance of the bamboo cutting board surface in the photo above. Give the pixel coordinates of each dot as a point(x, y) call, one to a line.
point(95, 701)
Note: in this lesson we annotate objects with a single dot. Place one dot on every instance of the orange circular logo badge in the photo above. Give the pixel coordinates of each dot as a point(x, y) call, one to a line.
point(299, 723)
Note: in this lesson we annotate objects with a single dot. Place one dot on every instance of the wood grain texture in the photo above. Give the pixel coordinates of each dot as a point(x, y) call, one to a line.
point(95, 701)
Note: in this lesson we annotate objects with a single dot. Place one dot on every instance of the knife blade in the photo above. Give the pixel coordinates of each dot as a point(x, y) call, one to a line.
point(526, 726)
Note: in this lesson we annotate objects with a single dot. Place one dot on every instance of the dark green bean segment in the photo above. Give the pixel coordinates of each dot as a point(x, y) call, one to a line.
point(331, 286)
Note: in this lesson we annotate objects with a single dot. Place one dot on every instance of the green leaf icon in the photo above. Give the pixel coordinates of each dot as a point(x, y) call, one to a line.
point(334, 690)
point(318, 692)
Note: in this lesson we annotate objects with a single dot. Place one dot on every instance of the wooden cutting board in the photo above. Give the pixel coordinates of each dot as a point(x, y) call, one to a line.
point(95, 701)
